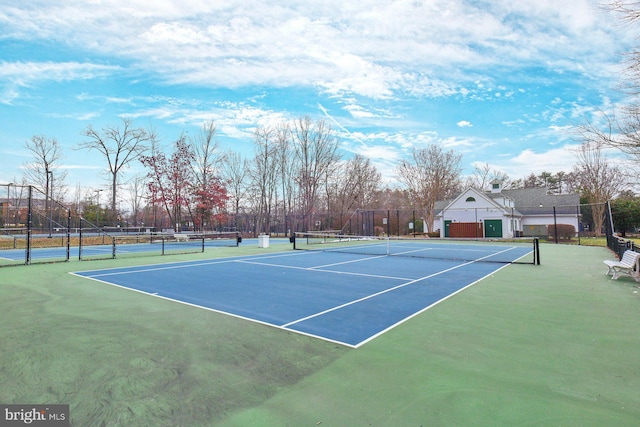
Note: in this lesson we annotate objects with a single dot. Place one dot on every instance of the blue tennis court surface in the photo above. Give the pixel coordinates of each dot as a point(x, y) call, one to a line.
point(59, 252)
point(106, 250)
point(344, 298)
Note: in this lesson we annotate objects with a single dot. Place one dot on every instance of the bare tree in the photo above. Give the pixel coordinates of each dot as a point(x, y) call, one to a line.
point(119, 146)
point(316, 152)
point(286, 168)
point(621, 132)
point(77, 200)
point(353, 184)
point(153, 191)
point(137, 192)
point(44, 172)
point(630, 10)
point(483, 175)
point(599, 180)
point(236, 173)
point(208, 186)
point(431, 175)
point(208, 156)
point(629, 13)
point(265, 175)
point(357, 183)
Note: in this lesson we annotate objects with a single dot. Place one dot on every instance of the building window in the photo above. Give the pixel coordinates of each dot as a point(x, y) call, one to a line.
point(470, 199)
point(496, 186)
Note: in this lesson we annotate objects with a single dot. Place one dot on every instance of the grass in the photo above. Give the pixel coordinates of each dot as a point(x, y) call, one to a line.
point(554, 344)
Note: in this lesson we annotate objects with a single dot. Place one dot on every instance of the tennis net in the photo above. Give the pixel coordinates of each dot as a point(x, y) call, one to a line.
point(203, 240)
point(166, 243)
point(506, 251)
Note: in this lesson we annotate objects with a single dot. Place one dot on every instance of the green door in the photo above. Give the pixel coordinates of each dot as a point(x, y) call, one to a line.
point(492, 228)
point(447, 224)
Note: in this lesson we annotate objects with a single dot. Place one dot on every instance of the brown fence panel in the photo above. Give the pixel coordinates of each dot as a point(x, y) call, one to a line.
point(465, 229)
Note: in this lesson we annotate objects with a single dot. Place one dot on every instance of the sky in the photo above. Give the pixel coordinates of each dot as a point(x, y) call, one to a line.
point(504, 83)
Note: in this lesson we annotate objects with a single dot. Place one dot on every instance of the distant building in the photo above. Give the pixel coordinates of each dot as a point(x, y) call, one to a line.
point(524, 212)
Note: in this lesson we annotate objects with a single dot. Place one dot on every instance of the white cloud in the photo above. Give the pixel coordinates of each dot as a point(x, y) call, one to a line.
point(374, 49)
point(81, 167)
point(454, 142)
point(364, 55)
point(17, 75)
point(8, 95)
point(358, 111)
point(379, 152)
point(78, 116)
point(25, 73)
point(234, 120)
point(175, 34)
point(514, 123)
point(529, 161)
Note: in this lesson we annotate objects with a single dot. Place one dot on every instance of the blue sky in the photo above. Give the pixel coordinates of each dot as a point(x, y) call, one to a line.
point(501, 82)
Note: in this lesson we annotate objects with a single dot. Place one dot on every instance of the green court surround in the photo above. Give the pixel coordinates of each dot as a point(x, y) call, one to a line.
point(556, 344)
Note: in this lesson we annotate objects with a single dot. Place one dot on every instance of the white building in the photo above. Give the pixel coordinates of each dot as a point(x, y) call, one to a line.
point(506, 213)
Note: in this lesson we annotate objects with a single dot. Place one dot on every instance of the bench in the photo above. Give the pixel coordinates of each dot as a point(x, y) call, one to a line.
point(181, 237)
point(629, 264)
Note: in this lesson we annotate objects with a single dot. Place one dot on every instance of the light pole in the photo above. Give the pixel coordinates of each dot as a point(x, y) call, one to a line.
point(7, 204)
point(50, 191)
point(98, 208)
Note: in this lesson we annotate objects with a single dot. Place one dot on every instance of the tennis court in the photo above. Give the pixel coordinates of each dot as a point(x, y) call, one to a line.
point(123, 248)
point(342, 297)
point(554, 344)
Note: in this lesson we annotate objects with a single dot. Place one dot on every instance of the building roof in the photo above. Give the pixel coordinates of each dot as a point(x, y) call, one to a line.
point(529, 201)
point(536, 201)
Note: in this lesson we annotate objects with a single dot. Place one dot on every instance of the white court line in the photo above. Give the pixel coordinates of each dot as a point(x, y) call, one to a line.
point(285, 327)
point(174, 265)
point(214, 310)
point(372, 295)
point(439, 247)
point(292, 267)
point(146, 270)
point(406, 319)
point(383, 292)
point(482, 250)
point(347, 262)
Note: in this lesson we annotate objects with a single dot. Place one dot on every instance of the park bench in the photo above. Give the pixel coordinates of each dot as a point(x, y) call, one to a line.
point(629, 264)
point(181, 237)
